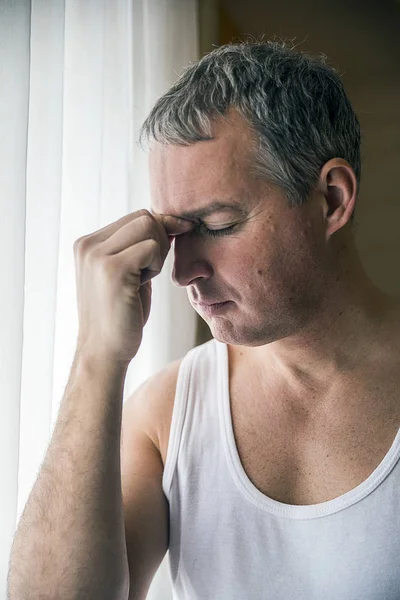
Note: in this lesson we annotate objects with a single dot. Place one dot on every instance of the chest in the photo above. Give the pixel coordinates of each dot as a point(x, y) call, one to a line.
point(300, 459)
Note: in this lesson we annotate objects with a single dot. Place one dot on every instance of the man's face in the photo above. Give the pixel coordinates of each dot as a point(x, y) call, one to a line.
point(269, 266)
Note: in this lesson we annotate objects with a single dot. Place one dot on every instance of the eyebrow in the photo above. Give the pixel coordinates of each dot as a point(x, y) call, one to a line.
point(215, 206)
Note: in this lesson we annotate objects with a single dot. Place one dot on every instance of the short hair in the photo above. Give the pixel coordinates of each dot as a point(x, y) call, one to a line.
point(294, 102)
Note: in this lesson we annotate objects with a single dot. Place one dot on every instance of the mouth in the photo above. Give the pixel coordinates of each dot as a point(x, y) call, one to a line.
point(210, 309)
point(208, 303)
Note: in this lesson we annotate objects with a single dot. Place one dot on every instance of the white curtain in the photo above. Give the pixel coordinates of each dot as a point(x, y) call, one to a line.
point(77, 78)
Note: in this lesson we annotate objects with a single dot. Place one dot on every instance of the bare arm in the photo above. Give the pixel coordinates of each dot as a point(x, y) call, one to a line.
point(70, 542)
point(146, 421)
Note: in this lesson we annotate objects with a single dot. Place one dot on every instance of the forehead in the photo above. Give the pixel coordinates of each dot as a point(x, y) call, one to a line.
point(186, 176)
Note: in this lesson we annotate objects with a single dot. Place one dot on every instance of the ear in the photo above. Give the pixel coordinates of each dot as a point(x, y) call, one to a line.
point(338, 184)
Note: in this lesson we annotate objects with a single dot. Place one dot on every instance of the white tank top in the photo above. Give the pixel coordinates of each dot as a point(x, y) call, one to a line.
point(229, 541)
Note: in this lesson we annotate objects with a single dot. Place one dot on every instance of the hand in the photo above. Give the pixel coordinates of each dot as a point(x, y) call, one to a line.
point(114, 267)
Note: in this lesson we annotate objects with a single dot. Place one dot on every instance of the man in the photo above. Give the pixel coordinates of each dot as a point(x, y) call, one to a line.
point(285, 425)
point(267, 459)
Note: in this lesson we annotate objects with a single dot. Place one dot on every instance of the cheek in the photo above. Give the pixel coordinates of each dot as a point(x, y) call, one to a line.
point(247, 271)
point(262, 272)
point(250, 266)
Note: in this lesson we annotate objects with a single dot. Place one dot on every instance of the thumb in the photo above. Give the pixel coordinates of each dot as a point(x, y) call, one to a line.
point(145, 297)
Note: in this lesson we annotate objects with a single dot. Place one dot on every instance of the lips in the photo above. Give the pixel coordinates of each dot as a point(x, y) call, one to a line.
point(210, 303)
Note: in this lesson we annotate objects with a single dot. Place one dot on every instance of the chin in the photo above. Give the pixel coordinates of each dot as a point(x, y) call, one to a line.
point(235, 333)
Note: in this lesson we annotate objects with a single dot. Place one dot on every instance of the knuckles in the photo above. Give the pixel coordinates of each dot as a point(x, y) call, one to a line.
point(148, 228)
point(81, 245)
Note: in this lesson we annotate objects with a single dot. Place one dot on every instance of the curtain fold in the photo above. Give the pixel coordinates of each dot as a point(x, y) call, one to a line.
point(76, 81)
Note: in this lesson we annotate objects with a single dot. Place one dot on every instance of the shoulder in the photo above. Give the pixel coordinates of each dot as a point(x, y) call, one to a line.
point(154, 401)
point(163, 406)
point(151, 406)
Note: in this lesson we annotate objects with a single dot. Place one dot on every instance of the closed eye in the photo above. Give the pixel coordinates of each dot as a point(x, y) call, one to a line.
point(214, 232)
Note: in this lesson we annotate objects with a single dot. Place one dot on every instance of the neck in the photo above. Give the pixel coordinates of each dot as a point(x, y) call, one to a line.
point(356, 326)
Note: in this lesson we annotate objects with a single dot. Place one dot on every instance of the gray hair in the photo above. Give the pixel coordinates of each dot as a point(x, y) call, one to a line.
point(294, 102)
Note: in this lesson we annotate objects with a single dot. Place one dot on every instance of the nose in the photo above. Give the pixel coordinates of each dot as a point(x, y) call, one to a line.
point(190, 261)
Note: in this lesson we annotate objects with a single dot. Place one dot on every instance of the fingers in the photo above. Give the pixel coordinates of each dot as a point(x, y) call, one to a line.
point(174, 225)
point(168, 228)
point(126, 231)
